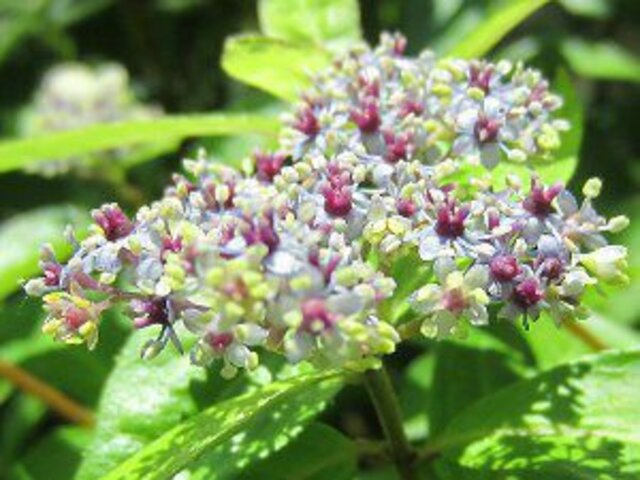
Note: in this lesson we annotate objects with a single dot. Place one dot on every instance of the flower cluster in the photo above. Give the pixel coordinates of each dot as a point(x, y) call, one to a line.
point(297, 258)
point(73, 95)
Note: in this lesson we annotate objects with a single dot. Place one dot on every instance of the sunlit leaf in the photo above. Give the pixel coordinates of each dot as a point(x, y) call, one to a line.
point(579, 420)
point(333, 23)
point(275, 66)
point(15, 154)
point(319, 453)
point(141, 400)
point(495, 28)
point(229, 436)
point(602, 60)
point(21, 237)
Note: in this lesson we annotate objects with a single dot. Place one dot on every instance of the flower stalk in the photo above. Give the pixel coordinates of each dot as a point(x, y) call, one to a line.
point(389, 414)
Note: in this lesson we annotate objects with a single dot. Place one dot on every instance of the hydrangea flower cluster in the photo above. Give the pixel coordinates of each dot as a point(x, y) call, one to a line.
point(74, 95)
point(296, 258)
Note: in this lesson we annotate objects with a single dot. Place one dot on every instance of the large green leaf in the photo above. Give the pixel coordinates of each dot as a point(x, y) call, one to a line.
point(141, 400)
point(229, 436)
point(577, 421)
point(333, 23)
point(21, 237)
point(57, 455)
point(319, 453)
point(495, 28)
point(15, 154)
point(601, 61)
point(275, 66)
point(464, 373)
point(552, 346)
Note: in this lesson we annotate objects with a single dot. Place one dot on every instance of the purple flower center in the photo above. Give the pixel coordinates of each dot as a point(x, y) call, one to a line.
point(219, 341)
point(113, 221)
point(397, 146)
point(52, 272)
point(154, 312)
point(504, 268)
point(314, 313)
point(540, 199)
point(480, 78)
point(528, 293)
point(268, 165)
point(454, 301)
point(486, 129)
point(307, 123)
point(367, 117)
point(450, 220)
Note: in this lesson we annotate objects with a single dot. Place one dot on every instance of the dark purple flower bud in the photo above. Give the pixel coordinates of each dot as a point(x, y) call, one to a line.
point(450, 220)
point(367, 117)
point(406, 207)
point(528, 293)
point(480, 78)
point(486, 130)
point(315, 314)
point(399, 45)
point(268, 165)
point(171, 244)
point(368, 88)
point(113, 221)
point(306, 122)
point(337, 201)
point(504, 268)
point(540, 198)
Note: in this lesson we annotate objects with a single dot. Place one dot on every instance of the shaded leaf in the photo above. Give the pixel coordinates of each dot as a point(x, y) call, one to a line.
point(319, 453)
point(601, 60)
point(579, 420)
point(275, 66)
point(333, 23)
point(229, 436)
point(57, 455)
point(495, 28)
point(15, 154)
point(22, 235)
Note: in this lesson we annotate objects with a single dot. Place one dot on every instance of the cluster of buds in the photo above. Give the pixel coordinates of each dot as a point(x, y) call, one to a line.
point(74, 95)
point(298, 258)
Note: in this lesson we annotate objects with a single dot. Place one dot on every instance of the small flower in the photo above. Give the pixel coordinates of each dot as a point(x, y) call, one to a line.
point(460, 296)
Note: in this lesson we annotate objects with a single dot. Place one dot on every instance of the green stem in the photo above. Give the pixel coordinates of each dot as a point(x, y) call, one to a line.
point(387, 408)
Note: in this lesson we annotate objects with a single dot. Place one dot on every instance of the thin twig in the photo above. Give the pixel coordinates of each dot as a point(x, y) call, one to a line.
point(55, 399)
point(586, 337)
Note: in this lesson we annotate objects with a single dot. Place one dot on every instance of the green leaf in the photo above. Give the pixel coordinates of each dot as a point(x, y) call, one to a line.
point(601, 60)
point(598, 9)
point(275, 66)
point(415, 396)
point(319, 453)
point(334, 23)
point(552, 346)
point(22, 235)
point(229, 436)
point(464, 374)
point(140, 401)
point(15, 154)
point(495, 28)
point(57, 455)
point(576, 421)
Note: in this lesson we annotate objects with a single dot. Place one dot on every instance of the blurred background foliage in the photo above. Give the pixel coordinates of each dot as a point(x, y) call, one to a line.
point(172, 50)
